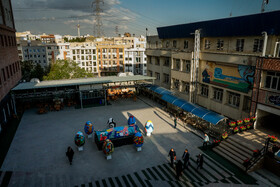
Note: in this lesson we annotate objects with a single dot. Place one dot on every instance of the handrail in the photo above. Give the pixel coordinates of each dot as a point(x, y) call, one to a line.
point(255, 159)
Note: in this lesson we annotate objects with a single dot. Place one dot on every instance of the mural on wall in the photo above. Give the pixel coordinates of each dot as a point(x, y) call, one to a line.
point(239, 78)
point(274, 99)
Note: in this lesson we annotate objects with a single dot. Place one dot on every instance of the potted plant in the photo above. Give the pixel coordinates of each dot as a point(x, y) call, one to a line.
point(239, 122)
point(253, 119)
point(216, 142)
point(235, 130)
point(246, 162)
point(256, 152)
point(232, 124)
point(224, 135)
point(250, 126)
point(243, 128)
point(246, 120)
point(273, 138)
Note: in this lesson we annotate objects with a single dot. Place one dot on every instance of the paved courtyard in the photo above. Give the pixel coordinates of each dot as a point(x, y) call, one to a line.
point(37, 154)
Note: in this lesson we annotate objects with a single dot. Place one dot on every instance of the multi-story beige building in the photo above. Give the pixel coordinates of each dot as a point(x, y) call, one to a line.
point(110, 57)
point(212, 63)
point(84, 54)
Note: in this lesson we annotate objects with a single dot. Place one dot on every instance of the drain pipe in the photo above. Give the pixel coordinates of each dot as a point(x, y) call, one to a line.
point(265, 43)
point(276, 52)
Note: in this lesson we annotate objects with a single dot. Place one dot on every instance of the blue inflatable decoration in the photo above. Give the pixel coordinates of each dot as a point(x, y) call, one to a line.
point(88, 128)
point(149, 127)
point(79, 139)
point(131, 120)
point(138, 140)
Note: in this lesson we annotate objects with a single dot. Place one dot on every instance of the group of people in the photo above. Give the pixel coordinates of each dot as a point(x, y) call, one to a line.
point(180, 166)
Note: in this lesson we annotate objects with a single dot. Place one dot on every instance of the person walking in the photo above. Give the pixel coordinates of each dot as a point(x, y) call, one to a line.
point(205, 141)
point(172, 155)
point(186, 158)
point(70, 154)
point(179, 169)
point(175, 122)
point(200, 161)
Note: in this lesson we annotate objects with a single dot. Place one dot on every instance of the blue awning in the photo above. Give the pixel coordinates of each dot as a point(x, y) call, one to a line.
point(159, 90)
point(201, 112)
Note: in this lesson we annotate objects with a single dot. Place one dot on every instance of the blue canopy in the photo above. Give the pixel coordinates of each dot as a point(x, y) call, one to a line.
point(201, 112)
point(159, 90)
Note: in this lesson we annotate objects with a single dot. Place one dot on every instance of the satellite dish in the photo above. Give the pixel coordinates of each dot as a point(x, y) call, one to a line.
point(35, 80)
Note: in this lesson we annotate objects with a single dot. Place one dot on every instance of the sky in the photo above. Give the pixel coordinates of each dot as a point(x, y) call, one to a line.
point(133, 16)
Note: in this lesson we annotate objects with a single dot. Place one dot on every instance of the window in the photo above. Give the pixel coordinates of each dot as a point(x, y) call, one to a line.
point(177, 64)
point(4, 75)
point(207, 44)
point(186, 44)
point(188, 65)
point(167, 44)
point(157, 61)
point(157, 76)
point(272, 81)
point(11, 71)
point(156, 44)
point(7, 70)
point(233, 99)
point(186, 87)
point(220, 44)
point(150, 73)
point(176, 84)
point(174, 43)
point(239, 45)
point(218, 94)
point(166, 61)
point(258, 45)
point(166, 78)
point(204, 90)
point(73, 51)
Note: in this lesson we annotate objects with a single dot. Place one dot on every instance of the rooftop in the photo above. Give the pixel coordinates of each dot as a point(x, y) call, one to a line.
point(249, 25)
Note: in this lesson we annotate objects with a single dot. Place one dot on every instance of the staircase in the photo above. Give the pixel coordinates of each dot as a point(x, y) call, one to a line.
point(239, 147)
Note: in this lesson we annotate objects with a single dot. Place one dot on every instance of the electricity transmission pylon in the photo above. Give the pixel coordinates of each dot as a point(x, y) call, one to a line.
point(98, 26)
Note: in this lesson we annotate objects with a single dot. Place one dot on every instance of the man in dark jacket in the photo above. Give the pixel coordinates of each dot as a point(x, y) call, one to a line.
point(179, 169)
point(70, 154)
point(172, 155)
point(186, 158)
point(200, 161)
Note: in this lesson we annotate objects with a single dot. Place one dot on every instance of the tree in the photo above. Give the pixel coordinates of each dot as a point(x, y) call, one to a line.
point(63, 69)
point(30, 70)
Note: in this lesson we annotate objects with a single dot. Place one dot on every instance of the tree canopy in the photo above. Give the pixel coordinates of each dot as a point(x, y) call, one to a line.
point(64, 69)
point(75, 39)
point(30, 69)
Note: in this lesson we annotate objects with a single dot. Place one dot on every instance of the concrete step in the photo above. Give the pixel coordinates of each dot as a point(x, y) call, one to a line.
point(228, 156)
point(238, 155)
point(241, 143)
point(237, 148)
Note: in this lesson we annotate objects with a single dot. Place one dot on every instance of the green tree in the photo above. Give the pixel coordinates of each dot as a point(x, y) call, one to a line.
point(30, 70)
point(63, 69)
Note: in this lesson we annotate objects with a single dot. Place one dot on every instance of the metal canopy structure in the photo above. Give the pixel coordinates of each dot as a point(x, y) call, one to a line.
point(159, 90)
point(78, 82)
point(201, 112)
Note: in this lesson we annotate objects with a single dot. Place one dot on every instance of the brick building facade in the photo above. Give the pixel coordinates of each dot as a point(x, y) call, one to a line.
point(266, 93)
point(10, 72)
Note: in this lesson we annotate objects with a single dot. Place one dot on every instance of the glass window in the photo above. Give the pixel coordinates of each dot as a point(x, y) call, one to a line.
point(176, 84)
point(166, 78)
point(204, 90)
point(272, 81)
point(233, 99)
point(207, 44)
point(174, 43)
point(220, 44)
point(218, 94)
point(177, 64)
point(186, 44)
point(258, 45)
point(188, 65)
point(239, 45)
